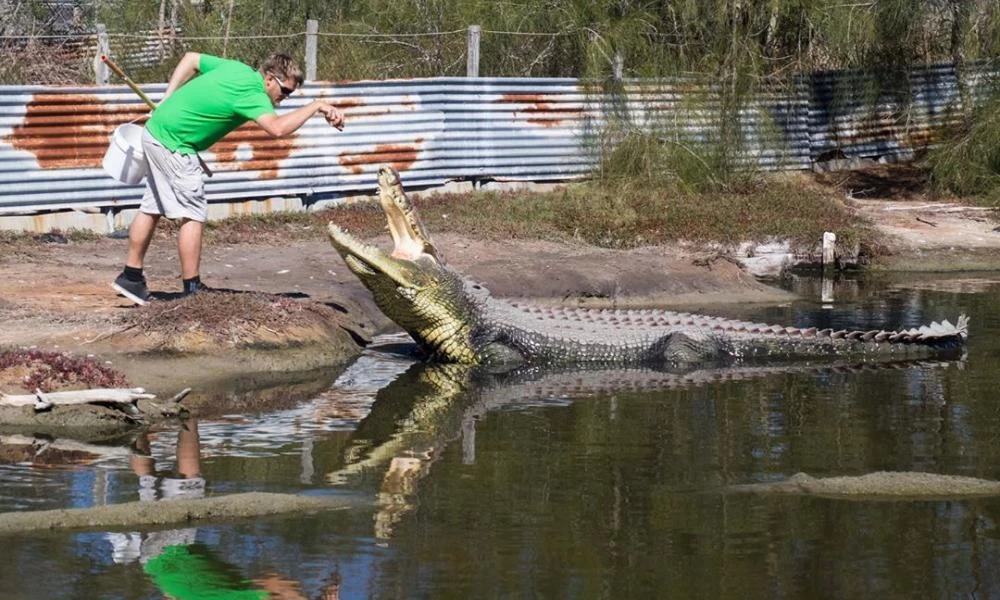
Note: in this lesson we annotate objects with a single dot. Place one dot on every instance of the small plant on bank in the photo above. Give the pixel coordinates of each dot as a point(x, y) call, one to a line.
point(50, 371)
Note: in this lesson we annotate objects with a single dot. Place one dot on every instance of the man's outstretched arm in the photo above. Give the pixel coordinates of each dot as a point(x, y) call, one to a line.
point(289, 122)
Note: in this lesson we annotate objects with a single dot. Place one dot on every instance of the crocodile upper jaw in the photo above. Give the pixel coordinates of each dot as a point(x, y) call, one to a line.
point(413, 251)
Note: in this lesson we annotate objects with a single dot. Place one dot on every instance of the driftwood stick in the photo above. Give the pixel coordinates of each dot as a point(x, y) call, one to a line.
point(112, 395)
point(62, 444)
point(179, 396)
point(40, 402)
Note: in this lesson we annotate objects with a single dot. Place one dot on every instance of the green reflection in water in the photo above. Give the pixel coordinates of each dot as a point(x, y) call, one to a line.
point(194, 572)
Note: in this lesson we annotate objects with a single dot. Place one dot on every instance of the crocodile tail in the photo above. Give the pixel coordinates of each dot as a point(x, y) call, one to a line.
point(963, 326)
point(940, 332)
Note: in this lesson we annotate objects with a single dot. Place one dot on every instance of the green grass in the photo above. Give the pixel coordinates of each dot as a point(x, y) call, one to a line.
point(967, 164)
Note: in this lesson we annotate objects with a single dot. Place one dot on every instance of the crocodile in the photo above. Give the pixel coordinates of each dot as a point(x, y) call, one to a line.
point(880, 485)
point(457, 320)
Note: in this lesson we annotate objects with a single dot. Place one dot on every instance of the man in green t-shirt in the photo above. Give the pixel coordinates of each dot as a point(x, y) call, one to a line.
point(206, 98)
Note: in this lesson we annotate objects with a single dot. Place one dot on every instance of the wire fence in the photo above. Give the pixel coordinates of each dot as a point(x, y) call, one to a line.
point(150, 55)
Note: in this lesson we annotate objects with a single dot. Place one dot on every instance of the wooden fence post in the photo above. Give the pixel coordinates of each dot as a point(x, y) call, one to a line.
point(472, 51)
point(102, 74)
point(829, 258)
point(829, 248)
point(312, 33)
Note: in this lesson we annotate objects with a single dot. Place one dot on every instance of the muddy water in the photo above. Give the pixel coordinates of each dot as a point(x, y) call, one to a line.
point(593, 484)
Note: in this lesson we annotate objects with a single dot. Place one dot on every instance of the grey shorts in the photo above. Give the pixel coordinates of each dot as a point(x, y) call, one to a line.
point(174, 187)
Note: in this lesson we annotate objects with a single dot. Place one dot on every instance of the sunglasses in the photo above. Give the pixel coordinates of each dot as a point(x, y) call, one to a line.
point(285, 91)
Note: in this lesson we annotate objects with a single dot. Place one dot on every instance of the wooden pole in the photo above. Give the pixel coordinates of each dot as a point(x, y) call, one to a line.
point(829, 244)
point(312, 33)
point(472, 51)
point(229, 22)
point(101, 75)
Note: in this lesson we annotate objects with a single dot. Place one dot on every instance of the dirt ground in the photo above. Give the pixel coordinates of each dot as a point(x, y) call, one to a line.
point(920, 232)
point(57, 296)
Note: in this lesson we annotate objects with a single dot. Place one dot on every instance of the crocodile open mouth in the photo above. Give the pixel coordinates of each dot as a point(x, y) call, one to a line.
point(411, 242)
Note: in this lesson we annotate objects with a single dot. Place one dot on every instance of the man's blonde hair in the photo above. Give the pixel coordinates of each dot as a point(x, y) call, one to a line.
point(284, 66)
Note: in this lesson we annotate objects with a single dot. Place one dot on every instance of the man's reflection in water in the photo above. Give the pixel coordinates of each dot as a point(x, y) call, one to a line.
point(188, 572)
point(184, 481)
point(177, 565)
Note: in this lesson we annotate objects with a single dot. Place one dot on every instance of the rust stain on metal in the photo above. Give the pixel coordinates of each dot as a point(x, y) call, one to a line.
point(343, 103)
point(522, 98)
point(352, 162)
point(70, 131)
point(549, 122)
point(882, 125)
point(921, 138)
point(541, 109)
point(266, 153)
point(400, 156)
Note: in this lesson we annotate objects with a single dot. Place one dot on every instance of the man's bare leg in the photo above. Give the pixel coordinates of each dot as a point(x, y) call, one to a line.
point(141, 460)
point(140, 234)
point(189, 247)
point(189, 450)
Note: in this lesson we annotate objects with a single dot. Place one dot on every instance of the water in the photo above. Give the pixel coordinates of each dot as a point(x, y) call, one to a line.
point(569, 485)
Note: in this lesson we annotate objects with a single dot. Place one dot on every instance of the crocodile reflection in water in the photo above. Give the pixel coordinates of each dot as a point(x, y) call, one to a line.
point(419, 413)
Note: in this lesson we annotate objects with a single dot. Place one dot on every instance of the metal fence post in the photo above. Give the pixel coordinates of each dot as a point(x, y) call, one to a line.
point(102, 74)
point(312, 31)
point(472, 51)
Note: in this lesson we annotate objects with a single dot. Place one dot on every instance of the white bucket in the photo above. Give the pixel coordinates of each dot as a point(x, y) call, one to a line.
point(124, 159)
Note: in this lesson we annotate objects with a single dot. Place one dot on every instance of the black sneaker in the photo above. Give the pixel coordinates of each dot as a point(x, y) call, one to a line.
point(196, 287)
point(133, 290)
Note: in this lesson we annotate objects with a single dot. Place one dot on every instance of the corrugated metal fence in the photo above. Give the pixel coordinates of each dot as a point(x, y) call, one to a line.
point(437, 130)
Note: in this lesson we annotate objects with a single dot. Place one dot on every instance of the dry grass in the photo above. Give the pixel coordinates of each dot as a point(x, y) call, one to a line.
point(226, 316)
point(56, 236)
point(613, 215)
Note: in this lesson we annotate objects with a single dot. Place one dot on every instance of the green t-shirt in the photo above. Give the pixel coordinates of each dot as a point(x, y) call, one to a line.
point(225, 95)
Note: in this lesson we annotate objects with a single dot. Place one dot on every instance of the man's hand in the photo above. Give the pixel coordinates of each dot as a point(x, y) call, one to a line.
point(332, 115)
